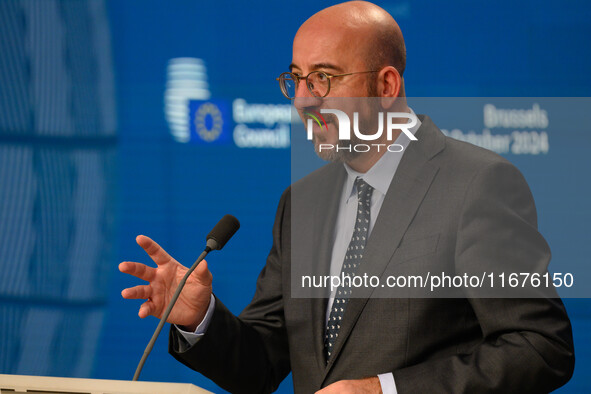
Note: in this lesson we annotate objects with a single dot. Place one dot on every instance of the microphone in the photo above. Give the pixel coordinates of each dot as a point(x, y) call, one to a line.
point(215, 240)
point(222, 232)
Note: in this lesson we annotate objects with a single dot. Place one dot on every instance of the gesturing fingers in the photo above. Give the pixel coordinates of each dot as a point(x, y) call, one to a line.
point(146, 309)
point(137, 292)
point(138, 270)
point(155, 251)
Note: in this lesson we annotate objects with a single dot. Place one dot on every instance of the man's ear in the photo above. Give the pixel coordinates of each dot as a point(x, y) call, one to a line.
point(389, 85)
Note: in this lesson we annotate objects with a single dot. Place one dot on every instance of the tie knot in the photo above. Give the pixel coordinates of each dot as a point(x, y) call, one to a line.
point(364, 190)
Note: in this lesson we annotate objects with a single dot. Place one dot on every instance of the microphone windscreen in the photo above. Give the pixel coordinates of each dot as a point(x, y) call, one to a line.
point(223, 231)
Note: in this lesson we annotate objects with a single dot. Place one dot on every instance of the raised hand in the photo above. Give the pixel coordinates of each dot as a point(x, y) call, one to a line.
point(192, 304)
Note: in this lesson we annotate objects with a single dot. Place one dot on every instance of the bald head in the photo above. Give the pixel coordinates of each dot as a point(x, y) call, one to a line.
point(370, 28)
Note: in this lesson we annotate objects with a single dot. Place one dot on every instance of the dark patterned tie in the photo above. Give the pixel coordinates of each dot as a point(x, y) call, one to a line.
point(352, 261)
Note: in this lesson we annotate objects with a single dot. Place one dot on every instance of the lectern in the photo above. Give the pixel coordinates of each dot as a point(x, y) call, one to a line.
point(15, 384)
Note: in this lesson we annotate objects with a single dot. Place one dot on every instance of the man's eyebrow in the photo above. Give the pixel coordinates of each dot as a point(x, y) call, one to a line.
point(326, 66)
point(318, 66)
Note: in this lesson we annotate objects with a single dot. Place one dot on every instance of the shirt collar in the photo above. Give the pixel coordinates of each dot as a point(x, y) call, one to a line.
point(380, 175)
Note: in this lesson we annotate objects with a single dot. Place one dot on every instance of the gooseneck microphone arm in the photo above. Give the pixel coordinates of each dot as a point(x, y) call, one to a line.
point(216, 240)
point(176, 295)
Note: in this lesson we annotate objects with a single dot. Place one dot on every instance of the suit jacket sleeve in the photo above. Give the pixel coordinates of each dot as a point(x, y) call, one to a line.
point(248, 353)
point(527, 343)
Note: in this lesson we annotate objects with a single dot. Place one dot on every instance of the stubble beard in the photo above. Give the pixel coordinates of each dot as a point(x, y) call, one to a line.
point(341, 152)
point(345, 152)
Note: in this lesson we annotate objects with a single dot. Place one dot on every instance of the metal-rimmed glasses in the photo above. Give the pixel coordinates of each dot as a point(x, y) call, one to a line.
point(318, 82)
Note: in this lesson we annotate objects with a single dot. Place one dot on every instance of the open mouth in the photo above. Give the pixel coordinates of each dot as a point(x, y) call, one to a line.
point(318, 124)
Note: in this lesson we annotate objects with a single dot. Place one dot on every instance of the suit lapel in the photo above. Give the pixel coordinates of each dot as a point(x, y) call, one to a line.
point(406, 192)
point(322, 203)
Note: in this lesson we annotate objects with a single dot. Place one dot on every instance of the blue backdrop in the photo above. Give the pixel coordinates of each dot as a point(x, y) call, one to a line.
point(100, 140)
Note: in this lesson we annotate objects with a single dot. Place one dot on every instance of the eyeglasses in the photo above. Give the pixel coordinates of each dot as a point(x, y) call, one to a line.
point(318, 82)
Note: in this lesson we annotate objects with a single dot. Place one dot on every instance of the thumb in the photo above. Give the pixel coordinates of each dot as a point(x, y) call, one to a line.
point(202, 273)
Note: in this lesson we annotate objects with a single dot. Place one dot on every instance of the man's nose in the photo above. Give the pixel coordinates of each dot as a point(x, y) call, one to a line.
point(304, 98)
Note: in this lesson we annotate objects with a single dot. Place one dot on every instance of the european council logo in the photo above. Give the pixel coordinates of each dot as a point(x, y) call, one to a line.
point(210, 122)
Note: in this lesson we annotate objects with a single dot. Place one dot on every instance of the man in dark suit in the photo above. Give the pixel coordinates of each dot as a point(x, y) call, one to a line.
point(440, 205)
